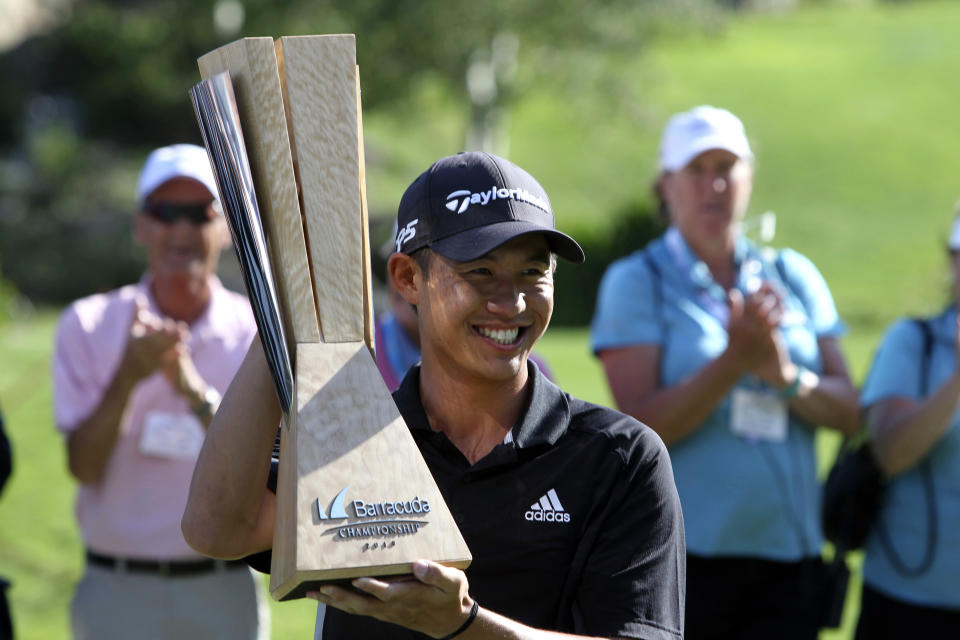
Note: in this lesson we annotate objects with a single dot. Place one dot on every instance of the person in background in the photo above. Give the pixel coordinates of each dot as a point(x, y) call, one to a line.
point(6, 468)
point(137, 377)
point(397, 338)
point(911, 400)
point(731, 353)
point(497, 436)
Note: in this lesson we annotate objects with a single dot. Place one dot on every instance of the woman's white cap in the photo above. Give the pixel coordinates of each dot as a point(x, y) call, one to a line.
point(690, 133)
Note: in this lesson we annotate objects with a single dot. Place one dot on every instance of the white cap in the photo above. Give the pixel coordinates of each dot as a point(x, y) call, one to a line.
point(175, 161)
point(690, 133)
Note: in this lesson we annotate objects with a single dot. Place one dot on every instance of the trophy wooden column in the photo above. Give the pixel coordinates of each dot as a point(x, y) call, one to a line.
point(354, 495)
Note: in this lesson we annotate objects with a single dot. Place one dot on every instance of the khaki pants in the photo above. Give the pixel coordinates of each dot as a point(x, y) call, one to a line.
point(228, 603)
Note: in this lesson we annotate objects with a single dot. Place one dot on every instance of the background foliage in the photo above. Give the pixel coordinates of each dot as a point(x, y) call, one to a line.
point(850, 107)
point(83, 103)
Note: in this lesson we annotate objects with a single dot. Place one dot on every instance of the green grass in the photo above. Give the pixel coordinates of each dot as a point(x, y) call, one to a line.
point(40, 550)
point(851, 111)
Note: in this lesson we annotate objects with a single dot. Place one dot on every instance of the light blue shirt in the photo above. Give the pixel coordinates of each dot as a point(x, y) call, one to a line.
point(402, 352)
point(897, 371)
point(740, 497)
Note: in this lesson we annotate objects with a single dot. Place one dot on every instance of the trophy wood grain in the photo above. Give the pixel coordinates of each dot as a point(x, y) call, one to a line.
point(368, 326)
point(254, 73)
point(320, 92)
point(349, 435)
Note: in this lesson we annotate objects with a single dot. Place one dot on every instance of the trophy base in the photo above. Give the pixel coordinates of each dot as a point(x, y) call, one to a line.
point(354, 495)
point(300, 584)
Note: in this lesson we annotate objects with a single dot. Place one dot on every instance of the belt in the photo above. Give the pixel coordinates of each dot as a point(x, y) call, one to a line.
point(162, 567)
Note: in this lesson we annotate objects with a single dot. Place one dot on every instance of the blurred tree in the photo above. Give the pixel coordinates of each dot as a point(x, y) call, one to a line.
point(82, 103)
point(128, 63)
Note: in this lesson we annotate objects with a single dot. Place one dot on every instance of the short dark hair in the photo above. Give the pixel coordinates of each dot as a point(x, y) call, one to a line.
point(423, 256)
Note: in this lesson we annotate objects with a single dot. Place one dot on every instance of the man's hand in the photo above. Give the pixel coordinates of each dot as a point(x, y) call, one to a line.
point(161, 344)
point(151, 343)
point(179, 370)
point(435, 601)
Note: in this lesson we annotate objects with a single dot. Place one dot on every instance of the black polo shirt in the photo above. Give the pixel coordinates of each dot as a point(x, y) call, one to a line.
point(574, 526)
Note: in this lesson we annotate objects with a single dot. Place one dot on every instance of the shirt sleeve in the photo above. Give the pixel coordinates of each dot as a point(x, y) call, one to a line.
point(634, 580)
point(896, 365)
point(76, 391)
point(626, 312)
point(262, 560)
point(806, 282)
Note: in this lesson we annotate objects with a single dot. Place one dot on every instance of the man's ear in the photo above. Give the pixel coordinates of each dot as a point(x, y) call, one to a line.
point(223, 233)
point(405, 276)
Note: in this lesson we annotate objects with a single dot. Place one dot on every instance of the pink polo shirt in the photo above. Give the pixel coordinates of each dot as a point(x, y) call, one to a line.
point(135, 509)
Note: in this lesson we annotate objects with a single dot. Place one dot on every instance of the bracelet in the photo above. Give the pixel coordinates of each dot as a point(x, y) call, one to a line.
point(473, 616)
point(791, 390)
point(208, 404)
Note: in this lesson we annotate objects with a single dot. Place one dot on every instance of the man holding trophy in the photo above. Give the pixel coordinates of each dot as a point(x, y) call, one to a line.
point(569, 509)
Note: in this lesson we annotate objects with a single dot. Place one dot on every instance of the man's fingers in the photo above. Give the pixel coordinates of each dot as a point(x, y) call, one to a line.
point(341, 598)
point(377, 588)
point(445, 579)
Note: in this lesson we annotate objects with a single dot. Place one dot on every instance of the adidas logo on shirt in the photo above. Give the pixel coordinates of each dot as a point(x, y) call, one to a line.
point(547, 509)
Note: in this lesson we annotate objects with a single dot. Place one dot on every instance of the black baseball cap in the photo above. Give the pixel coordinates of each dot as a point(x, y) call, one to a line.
point(467, 205)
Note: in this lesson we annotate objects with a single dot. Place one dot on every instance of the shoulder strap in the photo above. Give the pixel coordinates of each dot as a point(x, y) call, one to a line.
point(923, 324)
point(655, 272)
point(782, 272)
point(656, 283)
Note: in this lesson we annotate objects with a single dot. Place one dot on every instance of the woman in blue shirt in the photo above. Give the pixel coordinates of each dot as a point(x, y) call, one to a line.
point(912, 406)
point(730, 352)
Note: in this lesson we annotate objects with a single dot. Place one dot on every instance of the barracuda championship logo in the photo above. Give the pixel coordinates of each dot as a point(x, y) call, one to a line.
point(387, 519)
point(458, 201)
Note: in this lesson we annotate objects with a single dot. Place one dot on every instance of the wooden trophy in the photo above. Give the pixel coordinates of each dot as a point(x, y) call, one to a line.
point(354, 496)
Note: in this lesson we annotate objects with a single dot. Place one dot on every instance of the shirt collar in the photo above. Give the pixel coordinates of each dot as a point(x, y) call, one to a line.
point(207, 324)
point(543, 420)
point(688, 262)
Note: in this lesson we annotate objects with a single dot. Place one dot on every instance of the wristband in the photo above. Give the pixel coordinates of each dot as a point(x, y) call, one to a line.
point(790, 391)
point(208, 404)
point(473, 616)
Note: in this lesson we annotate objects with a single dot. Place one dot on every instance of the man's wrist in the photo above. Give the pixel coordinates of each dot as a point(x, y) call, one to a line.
point(470, 618)
point(207, 403)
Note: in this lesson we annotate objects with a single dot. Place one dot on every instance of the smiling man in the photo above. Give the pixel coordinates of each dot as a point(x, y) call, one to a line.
point(569, 509)
point(138, 374)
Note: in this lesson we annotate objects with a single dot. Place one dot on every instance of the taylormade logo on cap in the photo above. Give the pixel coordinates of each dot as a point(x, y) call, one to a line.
point(459, 200)
point(466, 205)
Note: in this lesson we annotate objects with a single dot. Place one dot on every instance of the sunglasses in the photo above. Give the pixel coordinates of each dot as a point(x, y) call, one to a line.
point(169, 213)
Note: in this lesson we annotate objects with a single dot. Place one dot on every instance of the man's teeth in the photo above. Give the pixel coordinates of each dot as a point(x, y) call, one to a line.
point(503, 336)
